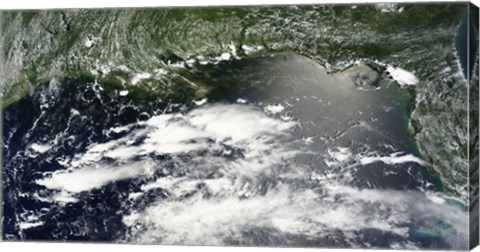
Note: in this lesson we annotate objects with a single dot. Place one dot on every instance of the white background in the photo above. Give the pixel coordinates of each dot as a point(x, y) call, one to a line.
point(76, 247)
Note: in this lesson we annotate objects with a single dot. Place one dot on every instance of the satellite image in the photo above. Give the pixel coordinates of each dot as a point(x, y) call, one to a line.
point(333, 126)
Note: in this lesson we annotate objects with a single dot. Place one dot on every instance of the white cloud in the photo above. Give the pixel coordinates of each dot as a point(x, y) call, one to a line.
point(90, 177)
point(274, 109)
point(140, 76)
point(402, 76)
point(394, 158)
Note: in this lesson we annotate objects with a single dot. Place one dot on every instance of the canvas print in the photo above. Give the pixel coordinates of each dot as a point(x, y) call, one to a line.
point(321, 125)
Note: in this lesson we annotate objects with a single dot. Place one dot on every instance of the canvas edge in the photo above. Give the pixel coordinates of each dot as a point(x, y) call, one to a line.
point(473, 127)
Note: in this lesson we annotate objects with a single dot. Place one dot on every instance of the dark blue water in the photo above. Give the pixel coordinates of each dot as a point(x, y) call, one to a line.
point(466, 45)
point(94, 218)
